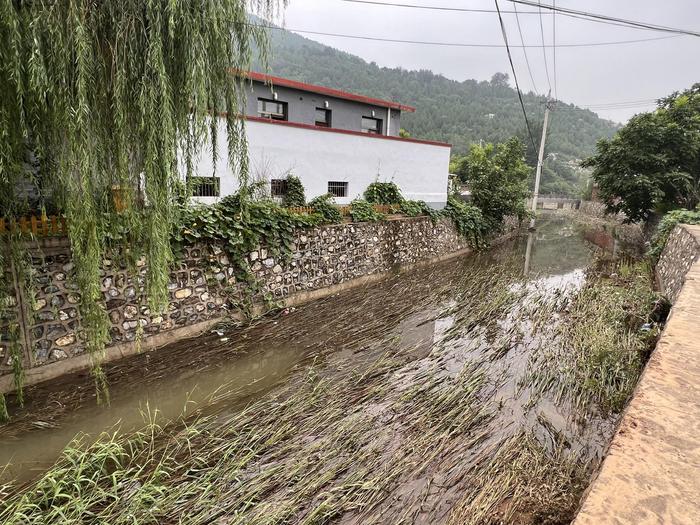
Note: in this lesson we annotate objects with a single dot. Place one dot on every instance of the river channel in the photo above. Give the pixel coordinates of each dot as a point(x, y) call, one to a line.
point(477, 318)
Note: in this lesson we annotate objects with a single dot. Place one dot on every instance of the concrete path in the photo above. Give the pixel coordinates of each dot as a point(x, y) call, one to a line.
point(651, 474)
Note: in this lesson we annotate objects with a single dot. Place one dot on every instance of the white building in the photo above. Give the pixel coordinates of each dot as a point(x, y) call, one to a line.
point(335, 142)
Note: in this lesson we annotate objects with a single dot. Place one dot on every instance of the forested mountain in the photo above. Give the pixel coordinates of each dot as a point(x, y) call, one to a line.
point(457, 112)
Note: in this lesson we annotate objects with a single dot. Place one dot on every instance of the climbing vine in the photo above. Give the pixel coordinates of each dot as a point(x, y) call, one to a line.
point(324, 205)
point(383, 193)
point(469, 221)
point(363, 211)
point(241, 226)
point(109, 96)
point(665, 227)
point(416, 208)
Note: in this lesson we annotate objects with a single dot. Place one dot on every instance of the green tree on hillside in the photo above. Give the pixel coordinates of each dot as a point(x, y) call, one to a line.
point(653, 163)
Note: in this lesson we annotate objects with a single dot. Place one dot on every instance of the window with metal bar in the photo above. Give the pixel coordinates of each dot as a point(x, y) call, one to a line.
point(204, 186)
point(338, 189)
point(278, 187)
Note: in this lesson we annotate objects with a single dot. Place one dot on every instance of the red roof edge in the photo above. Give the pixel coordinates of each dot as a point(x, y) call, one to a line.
point(321, 90)
point(343, 131)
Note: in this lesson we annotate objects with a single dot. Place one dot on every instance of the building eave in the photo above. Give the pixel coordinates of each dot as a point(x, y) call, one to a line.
point(326, 91)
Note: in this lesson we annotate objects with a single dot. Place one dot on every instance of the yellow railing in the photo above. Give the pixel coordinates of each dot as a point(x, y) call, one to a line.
point(51, 226)
point(56, 226)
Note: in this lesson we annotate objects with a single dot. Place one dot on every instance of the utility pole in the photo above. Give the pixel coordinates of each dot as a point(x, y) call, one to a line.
point(540, 160)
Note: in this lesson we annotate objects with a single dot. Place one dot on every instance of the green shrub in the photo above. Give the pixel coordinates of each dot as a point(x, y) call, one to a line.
point(295, 195)
point(363, 211)
point(468, 220)
point(416, 208)
point(324, 205)
point(383, 193)
point(669, 221)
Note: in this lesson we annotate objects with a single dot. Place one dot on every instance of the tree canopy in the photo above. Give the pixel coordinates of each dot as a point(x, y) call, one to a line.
point(497, 177)
point(102, 95)
point(653, 163)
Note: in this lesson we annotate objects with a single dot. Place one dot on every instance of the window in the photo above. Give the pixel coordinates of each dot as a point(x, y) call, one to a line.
point(272, 109)
point(278, 187)
point(323, 117)
point(204, 186)
point(338, 189)
point(371, 125)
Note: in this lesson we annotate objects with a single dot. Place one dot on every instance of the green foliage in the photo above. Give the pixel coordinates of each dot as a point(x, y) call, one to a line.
point(324, 205)
point(665, 227)
point(497, 177)
point(240, 226)
point(653, 163)
point(295, 195)
point(416, 208)
point(383, 193)
point(447, 110)
point(4, 416)
point(363, 211)
point(404, 134)
point(469, 221)
point(605, 346)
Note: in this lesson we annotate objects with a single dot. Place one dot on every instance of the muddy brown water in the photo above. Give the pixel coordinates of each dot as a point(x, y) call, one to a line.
point(250, 361)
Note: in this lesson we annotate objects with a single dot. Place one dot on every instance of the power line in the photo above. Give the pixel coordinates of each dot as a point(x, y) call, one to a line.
point(606, 18)
point(571, 13)
point(638, 101)
point(522, 41)
point(544, 52)
point(453, 44)
point(435, 8)
point(515, 76)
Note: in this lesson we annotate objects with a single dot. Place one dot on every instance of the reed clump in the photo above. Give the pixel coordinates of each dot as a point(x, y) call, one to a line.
point(603, 339)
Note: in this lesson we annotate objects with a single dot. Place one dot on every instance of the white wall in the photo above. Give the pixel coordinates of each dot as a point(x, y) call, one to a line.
point(316, 157)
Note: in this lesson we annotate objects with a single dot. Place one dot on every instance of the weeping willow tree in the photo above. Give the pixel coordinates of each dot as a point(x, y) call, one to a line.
point(105, 96)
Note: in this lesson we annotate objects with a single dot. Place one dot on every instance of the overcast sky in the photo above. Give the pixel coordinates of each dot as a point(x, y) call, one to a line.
point(585, 75)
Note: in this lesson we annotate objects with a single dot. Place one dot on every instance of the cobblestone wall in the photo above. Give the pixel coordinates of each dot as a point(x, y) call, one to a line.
point(681, 251)
point(203, 284)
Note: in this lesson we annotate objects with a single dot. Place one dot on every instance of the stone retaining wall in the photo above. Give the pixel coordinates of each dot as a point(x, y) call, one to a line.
point(203, 285)
point(681, 252)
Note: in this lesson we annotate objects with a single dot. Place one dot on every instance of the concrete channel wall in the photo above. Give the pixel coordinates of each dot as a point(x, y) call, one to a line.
point(651, 473)
point(203, 289)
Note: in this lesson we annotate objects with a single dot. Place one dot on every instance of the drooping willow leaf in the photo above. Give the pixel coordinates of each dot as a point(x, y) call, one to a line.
point(98, 96)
